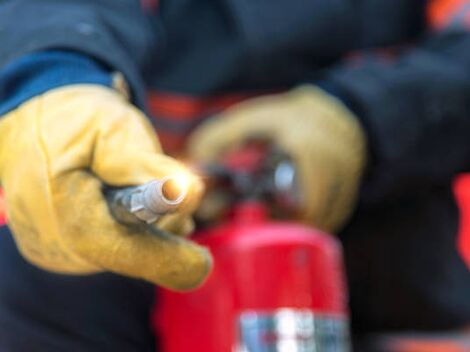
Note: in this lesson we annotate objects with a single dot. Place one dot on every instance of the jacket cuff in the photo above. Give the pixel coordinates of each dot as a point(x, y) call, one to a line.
point(36, 73)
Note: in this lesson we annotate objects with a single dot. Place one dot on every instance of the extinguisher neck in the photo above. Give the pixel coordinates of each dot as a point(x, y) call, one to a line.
point(250, 211)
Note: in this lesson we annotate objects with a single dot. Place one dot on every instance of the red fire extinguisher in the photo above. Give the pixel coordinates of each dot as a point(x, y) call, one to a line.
point(277, 285)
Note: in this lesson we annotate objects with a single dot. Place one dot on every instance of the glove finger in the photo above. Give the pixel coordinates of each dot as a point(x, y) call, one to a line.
point(127, 153)
point(327, 196)
point(91, 232)
point(104, 133)
point(177, 224)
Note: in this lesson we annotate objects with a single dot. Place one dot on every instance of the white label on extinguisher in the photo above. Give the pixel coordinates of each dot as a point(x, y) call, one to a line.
point(292, 330)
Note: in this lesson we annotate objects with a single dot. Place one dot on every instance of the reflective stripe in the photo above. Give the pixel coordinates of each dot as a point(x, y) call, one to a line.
point(184, 107)
point(462, 195)
point(176, 115)
point(292, 330)
point(433, 345)
point(445, 13)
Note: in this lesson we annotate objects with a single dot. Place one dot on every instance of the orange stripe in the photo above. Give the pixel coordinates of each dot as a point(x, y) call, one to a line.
point(462, 195)
point(179, 107)
point(441, 12)
point(184, 107)
point(429, 346)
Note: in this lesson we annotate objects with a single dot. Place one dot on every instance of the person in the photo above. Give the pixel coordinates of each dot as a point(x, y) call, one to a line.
point(369, 98)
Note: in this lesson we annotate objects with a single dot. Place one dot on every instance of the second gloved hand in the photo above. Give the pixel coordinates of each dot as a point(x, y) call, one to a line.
point(56, 152)
point(324, 139)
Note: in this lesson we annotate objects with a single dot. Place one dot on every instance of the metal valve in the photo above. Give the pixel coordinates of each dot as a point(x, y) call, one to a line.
point(147, 202)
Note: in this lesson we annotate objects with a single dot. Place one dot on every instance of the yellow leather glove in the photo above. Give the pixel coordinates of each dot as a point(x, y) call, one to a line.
point(320, 134)
point(56, 151)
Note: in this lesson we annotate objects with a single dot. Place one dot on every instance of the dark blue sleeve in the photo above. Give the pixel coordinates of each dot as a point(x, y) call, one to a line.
point(119, 34)
point(39, 72)
point(415, 109)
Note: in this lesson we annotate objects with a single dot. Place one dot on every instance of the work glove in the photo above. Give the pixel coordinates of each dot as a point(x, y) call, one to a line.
point(322, 137)
point(57, 151)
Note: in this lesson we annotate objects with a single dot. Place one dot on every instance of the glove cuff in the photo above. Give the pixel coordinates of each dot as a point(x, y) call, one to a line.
point(37, 73)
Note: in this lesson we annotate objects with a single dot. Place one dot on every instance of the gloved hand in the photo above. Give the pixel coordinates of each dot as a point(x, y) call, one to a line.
point(56, 151)
point(324, 139)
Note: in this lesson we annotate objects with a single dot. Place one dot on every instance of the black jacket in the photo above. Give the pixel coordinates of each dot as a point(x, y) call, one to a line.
point(413, 101)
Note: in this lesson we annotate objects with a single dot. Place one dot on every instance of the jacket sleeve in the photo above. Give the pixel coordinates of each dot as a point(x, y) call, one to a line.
point(116, 33)
point(415, 107)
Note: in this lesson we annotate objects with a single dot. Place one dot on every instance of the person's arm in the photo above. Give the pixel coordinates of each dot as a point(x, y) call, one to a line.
point(36, 73)
point(117, 34)
point(65, 135)
point(415, 108)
